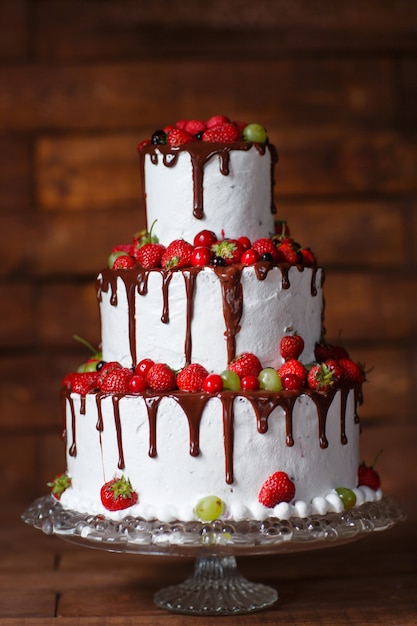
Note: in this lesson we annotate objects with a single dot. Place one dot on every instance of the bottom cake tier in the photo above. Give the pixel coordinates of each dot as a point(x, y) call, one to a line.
point(177, 448)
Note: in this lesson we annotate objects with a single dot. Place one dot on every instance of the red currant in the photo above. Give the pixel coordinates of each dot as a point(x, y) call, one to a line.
point(213, 383)
point(143, 367)
point(245, 241)
point(249, 257)
point(137, 384)
point(249, 383)
point(200, 256)
point(292, 382)
point(205, 238)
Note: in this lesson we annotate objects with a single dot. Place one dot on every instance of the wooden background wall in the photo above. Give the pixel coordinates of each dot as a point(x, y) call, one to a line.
point(82, 81)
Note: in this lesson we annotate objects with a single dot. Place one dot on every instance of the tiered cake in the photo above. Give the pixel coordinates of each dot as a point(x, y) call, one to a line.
point(214, 393)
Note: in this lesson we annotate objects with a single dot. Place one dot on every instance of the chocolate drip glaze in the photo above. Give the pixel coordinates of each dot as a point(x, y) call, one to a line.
point(200, 153)
point(193, 404)
point(189, 278)
point(230, 280)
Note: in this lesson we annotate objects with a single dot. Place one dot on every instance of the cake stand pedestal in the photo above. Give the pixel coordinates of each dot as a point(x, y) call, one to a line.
point(216, 586)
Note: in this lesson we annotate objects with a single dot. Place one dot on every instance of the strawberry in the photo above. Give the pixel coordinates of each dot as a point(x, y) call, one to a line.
point(266, 246)
point(246, 364)
point(353, 372)
point(195, 126)
point(287, 253)
point(124, 262)
point(192, 377)
point(337, 371)
point(116, 380)
point(144, 236)
point(308, 256)
point(177, 254)
point(118, 494)
point(160, 377)
point(230, 250)
point(105, 369)
point(123, 247)
point(277, 488)
point(217, 120)
point(149, 255)
point(179, 136)
point(367, 476)
point(320, 378)
point(181, 124)
point(59, 484)
point(81, 382)
point(324, 351)
point(281, 230)
point(292, 367)
point(224, 133)
point(291, 346)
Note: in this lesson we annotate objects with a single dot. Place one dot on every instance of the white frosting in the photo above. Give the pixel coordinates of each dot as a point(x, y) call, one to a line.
point(170, 484)
point(269, 312)
point(238, 203)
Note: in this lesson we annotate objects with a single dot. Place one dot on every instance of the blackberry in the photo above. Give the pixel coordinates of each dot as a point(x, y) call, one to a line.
point(159, 137)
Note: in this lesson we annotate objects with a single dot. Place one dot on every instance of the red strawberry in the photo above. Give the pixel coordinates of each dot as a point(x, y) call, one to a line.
point(59, 484)
point(217, 120)
point(292, 367)
point(287, 253)
point(231, 250)
point(320, 378)
point(336, 370)
point(224, 133)
point(277, 488)
point(124, 262)
point(246, 364)
point(123, 247)
point(81, 382)
point(118, 494)
point(105, 369)
point(160, 377)
point(178, 137)
point(149, 255)
point(116, 380)
point(192, 377)
point(281, 230)
point(367, 476)
point(354, 373)
point(308, 256)
point(181, 124)
point(195, 126)
point(266, 246)
point(324, 351)
point(291, 346)
point(177, 254)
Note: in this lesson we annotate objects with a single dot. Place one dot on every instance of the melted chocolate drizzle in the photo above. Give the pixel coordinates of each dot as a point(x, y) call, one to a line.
point(200, 153)
point(193, 404)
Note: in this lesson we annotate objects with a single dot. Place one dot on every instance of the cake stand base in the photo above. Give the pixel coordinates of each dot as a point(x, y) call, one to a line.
point(216, 588)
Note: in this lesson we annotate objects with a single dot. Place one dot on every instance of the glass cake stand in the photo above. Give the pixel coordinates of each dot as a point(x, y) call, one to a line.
point(216, 587)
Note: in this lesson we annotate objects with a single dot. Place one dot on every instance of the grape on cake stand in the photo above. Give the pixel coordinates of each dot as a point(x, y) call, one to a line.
point(216, 587)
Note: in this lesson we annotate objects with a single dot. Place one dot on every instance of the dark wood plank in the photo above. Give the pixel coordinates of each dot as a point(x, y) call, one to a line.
point(15, 174)
point(14, 33)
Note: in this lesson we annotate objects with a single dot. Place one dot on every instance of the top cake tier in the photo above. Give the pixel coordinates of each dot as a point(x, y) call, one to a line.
point(225, 188)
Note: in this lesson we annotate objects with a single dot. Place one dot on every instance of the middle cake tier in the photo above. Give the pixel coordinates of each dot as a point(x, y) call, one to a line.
point(208, 315)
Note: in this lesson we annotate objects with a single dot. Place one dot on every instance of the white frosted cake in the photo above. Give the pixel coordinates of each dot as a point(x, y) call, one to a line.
point(213, 393)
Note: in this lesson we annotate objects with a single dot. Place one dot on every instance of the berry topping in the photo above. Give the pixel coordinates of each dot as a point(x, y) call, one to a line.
point(270, 380)
point(223, 133)
point(205, 238)
point(192, 377)
point(159, 137)
point(230, 250)
point(160, 377)
point(143, 367)
point(367, 476)
point(320, 378)
point(292, 367)
point(81, 382)
point(246, 364)
point(217, 120)
point(277, 488)
point(116, 380)
point(324, 351)
point(201, 256)
point(249, 257)
point(255, 132)
point(213, 383)
point(353, 372)
point(118, 494)
point(178, 137)
point(149, 255)
point(291, 346)
point(137, 384)
point(194, 127)
point(209, 509)
point(59, 484)
point(124, 262)
point(265, 245)
point(177, 255)
point(249, 383)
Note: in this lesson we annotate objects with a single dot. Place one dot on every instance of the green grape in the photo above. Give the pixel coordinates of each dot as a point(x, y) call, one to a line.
point(269, 379)
point(231, 380)
point(255, 132)
point(347, 497)
point(209, 508)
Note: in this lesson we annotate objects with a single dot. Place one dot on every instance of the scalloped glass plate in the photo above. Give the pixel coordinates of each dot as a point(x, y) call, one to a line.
point(216, 587)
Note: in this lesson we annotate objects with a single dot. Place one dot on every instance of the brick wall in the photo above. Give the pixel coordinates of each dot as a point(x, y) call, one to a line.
point(82, 81)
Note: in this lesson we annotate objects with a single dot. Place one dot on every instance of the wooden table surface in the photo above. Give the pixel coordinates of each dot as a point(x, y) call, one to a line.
point(45, 581)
